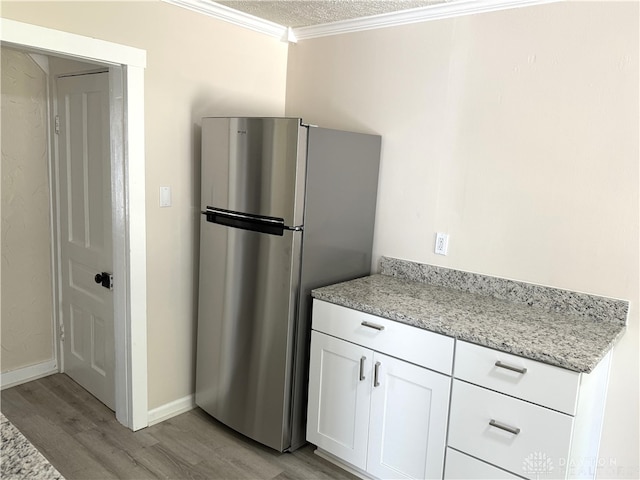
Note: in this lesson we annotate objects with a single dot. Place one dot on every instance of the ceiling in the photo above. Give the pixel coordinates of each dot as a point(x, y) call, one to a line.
point(306, 13)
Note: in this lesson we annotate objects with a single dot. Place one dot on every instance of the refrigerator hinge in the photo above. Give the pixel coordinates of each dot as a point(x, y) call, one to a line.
point(307, 125)
point(57, 125)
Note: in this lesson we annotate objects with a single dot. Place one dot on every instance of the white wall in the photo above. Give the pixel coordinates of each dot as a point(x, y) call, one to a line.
point(196, 66)
point(517, 133)
point(27, 305)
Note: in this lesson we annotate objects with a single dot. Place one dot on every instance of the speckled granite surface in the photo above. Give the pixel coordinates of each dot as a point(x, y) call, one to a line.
point(537, 296)
point(573, 341)
point(20, 460)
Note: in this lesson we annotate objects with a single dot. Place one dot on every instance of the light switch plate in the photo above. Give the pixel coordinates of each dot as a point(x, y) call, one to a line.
point(165, 196)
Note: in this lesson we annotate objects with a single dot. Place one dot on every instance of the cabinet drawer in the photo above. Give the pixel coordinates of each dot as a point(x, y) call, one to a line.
point(405, 342)
point(542, 384)
point(539, 449)
point(463, 467)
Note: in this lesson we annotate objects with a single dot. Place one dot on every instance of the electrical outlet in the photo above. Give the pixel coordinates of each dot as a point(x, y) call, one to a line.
point(442, 243)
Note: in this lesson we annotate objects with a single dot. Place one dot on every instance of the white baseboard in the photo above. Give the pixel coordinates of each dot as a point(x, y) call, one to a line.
point(27, 374)
point(171, 409)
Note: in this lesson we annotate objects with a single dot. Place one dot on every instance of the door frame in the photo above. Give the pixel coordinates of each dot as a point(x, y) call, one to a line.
point(128, 198)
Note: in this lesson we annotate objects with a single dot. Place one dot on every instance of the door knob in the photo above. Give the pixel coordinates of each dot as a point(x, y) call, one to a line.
point(105, 279)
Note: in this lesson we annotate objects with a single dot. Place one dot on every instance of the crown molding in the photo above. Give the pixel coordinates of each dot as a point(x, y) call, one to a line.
point(422, 14)
point(453, 8)
point(222, 12)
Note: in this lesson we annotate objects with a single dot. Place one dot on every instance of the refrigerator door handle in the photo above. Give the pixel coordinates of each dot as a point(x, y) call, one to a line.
point(245, 221)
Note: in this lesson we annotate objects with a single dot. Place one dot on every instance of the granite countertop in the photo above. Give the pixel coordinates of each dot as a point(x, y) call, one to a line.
point(575, 340)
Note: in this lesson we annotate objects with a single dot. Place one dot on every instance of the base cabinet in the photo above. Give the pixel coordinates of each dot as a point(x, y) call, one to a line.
point(379, 402)
point(517, 415)
point(382, 415)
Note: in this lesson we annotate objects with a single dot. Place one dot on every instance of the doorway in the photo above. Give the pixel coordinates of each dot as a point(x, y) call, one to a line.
point(126, 73)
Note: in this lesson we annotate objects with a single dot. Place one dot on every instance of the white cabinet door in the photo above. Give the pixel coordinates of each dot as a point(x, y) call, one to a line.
point(339, 393)
point(408, 426)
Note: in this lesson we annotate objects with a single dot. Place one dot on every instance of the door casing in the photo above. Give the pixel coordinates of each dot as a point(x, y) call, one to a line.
point(126, 66)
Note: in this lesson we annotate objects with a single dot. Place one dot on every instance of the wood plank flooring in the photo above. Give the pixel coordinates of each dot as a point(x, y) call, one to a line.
point(83, 440)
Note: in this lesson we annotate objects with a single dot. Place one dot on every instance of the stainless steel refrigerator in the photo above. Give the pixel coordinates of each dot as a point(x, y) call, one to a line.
point(286, 208)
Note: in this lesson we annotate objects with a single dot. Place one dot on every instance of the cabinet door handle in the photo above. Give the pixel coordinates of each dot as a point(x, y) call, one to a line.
point(362, 360)
point(376, 375)
point(372, 325)
point(511, 367)
point(506, 428)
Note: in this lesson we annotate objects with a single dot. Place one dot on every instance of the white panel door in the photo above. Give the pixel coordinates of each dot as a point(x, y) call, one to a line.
point(339, 393)
point(85, 232)
point(408, 426)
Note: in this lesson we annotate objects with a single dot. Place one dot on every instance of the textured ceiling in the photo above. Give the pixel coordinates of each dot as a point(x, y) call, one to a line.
point(304, 13)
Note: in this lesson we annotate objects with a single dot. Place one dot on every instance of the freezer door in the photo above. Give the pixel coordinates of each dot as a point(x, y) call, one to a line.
point(255, 166)
point(248, 294)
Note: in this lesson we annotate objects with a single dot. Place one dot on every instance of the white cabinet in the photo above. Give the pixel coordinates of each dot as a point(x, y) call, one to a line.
point(339, 398)
point(368, 406)
point(522, 416)
point(381, 396)
point(408, 425)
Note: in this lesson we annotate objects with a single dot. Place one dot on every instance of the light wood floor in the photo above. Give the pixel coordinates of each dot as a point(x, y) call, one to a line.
point(83, 440)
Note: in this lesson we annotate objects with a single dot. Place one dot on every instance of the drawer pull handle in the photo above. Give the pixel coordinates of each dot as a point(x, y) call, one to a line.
point(504, 427)
point(372, 325)
point(361, 375)
point(511, 367)
point(376, 374)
